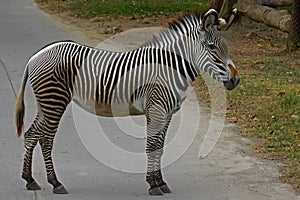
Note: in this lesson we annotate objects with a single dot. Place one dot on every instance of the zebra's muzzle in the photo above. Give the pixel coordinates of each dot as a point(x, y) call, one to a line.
point(232, 83)
point(234, 79)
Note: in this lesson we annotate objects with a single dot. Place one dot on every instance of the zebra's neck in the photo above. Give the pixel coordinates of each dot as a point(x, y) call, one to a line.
point(177, 46)
point(170, 60)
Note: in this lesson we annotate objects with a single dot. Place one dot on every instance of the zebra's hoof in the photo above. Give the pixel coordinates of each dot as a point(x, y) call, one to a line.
point(165, 189)
point(155, 191)
point(33, 186)
point(60, 190)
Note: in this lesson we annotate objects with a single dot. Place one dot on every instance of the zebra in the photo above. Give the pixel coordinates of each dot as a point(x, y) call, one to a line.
point(151, 80)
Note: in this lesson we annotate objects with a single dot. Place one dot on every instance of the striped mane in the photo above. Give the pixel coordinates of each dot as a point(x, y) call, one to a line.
point(179, 27)
point(185, 22)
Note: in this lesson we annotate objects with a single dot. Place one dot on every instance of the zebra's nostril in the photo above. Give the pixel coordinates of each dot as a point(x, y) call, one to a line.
point(235, 81)
point(232, 83)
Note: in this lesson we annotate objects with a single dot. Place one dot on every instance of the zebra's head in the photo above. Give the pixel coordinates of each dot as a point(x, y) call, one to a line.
point(210, 49)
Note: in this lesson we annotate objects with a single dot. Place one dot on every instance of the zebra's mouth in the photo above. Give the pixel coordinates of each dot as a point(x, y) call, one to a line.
point(231, 83)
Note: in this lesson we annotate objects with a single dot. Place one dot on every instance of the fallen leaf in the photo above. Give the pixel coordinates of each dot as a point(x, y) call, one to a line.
point(201, 157)
point(295, 116)
point(281, 93)
point(233, 120)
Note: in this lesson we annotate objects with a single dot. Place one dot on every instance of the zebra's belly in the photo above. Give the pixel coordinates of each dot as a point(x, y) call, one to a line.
point(110, 110)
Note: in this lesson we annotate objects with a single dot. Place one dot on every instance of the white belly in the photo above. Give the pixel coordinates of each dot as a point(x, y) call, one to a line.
point(111, 110)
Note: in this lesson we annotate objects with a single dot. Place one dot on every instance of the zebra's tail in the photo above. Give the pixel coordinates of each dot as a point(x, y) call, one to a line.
point(19, 111)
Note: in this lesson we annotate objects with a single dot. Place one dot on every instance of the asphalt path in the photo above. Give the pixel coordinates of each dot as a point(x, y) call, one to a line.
point(231, 170)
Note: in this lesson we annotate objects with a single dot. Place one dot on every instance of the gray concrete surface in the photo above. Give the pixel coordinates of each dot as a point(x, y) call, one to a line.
point(231, 171)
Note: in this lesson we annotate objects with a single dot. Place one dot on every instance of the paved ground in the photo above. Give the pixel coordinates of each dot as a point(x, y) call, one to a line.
point(229, 172)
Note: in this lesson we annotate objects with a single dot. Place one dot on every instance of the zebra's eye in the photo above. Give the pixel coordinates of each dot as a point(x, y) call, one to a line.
point(212, 46)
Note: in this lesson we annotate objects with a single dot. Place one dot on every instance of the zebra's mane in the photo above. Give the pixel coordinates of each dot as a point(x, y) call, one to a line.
point(181, 26)
point(188, 20)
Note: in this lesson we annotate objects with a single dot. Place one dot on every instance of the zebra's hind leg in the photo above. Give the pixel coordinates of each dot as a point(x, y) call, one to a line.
point(154, 150)
point(31, 138)
point(46, 142)
point(52, 105)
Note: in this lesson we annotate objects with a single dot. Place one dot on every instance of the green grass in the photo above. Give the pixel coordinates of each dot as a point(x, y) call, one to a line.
point(288, 8)
point(267, 105)
point(92, 8)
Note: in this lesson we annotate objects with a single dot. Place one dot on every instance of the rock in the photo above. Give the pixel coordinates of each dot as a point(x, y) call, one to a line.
point(112, 30)
point(251, 34)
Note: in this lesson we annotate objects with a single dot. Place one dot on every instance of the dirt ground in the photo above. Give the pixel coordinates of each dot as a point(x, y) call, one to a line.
point(241, 37)
point(244, 34)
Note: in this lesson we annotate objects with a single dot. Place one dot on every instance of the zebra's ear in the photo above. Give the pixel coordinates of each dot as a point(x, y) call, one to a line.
point(228, 19)
point(209, 19)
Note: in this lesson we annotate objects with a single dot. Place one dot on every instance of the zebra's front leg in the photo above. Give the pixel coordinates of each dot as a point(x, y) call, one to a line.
point(156, 132)
point(154, 176)
point(46, 143)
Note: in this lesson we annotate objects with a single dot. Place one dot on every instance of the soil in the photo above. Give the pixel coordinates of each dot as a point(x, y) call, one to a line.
point(241, 37)
point(101, 27)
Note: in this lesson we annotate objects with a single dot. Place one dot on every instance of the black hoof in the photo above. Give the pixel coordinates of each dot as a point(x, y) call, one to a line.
point(165, 189)
point(33, 186)
point(155, 191)
point(60, 190)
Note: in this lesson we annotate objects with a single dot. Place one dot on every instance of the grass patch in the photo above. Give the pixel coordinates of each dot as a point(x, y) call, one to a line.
point(93, 8)
point(267, 106)
point(288, 8)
